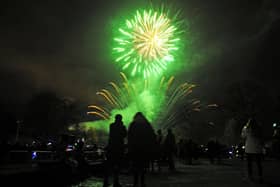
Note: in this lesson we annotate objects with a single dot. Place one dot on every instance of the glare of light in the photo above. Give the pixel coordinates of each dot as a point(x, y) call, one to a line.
point(71, 128)
point(274, 124)
point(69, 148)
point(34, 155)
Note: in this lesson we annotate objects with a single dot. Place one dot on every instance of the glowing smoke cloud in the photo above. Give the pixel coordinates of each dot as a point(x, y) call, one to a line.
point(147, 43)
point(157, 99)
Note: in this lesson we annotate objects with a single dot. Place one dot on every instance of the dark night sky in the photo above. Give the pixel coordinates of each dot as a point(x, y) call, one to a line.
point(62, 46)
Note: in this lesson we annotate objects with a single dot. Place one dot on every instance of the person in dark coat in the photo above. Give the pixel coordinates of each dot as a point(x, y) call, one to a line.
point(141, 146)
point(189, 151)
point(159, 149)
point(211, 145)
point(115, 150)
point(170, 148)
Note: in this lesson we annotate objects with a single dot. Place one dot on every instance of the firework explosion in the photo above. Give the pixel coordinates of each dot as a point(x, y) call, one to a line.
point(147, 43)
point(150, 97)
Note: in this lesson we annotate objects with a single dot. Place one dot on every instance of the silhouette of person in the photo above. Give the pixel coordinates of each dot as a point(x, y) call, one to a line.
point(253, 146)
point(218, 150)
point(189, 151)
point(170, 148)
point(141, 143)
point(159, 137)
point(115, 150)
point(211, 145)
point(159, 149)
point(80, 155)
point(180, 149)
point(241, 151)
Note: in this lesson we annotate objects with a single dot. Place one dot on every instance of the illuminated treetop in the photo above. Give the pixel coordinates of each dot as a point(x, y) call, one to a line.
point(147, 43)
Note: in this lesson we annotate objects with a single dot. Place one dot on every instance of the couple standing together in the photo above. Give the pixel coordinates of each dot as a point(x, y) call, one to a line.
point(141, 140)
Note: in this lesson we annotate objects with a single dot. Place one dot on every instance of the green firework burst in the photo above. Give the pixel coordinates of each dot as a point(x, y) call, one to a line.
point(147, 43)
point(156, 98)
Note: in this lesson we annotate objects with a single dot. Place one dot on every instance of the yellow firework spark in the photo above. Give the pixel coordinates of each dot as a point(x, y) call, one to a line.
point(147, 42)
point(151, 34)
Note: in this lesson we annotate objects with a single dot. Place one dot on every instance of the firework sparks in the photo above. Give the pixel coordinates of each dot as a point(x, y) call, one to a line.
point(156, 98)
point(147, 43)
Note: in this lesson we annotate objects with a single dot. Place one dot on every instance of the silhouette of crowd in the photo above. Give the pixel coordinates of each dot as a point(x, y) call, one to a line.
point(144, 149)
point(147, 149)
point(140, 149)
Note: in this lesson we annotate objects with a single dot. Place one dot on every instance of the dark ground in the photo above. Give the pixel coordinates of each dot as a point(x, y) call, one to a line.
point(231, 172)
point(228, 173)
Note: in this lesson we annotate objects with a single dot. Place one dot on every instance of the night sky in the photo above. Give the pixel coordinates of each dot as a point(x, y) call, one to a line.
point(64, 47)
